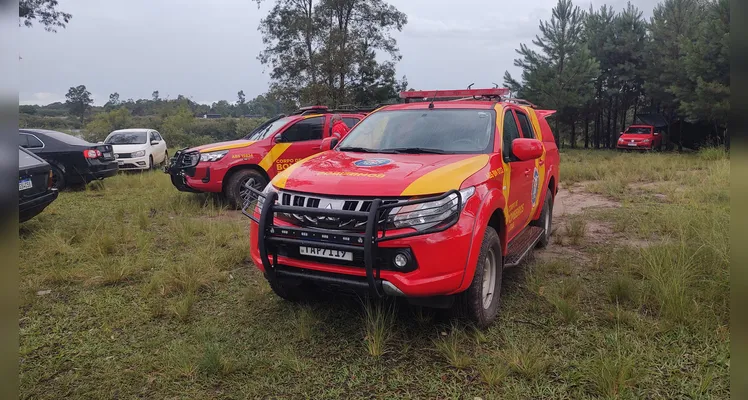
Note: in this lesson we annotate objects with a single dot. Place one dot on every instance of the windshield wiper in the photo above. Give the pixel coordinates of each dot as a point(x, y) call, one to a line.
point(415, 150)
point(358, 149)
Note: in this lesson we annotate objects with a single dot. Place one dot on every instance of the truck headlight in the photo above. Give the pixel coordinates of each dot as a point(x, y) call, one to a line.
point(213, 156)
point(427, 215)
point(140, 153)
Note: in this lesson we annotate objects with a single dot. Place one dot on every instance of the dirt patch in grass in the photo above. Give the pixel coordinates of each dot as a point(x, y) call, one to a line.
point(576, 199)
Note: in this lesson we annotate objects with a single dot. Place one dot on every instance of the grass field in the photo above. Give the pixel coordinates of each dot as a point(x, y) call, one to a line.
point(132, 290)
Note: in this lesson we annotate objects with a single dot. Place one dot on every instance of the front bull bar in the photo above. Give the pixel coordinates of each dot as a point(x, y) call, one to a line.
point(376, 225)
point(183, 163)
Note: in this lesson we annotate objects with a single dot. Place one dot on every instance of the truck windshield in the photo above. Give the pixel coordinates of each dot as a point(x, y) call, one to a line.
point(639, 131)
point(445, 131)
point(268, 130)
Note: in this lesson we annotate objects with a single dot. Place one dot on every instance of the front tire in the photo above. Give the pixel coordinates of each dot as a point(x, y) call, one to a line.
point(234, 189)
point(151, 165)
point(546, 220)
point(480, 302)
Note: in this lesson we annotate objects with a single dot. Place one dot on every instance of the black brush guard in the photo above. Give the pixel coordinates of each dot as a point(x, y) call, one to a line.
point(376, 219)
point(182, 163)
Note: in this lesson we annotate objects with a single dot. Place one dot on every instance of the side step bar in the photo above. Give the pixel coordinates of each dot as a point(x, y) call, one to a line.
point(521, 245)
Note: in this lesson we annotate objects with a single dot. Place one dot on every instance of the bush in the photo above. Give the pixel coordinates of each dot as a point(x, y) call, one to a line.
point(52, 123)
point(106, 122)
point(246, 125)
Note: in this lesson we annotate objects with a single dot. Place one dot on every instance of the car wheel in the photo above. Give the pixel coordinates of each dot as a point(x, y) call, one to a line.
point(166, 158)
point(58, 178)
point(236, 192)
point(480, 302)
point(151, 165)
point(546, 220)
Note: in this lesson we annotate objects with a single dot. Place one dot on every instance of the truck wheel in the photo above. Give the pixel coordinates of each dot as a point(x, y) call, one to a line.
point(545, 221)
point(480, 302)
point(234, 189)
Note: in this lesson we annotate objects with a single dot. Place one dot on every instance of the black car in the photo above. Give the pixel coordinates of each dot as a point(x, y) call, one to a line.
point(35, 191)
point(73, 160)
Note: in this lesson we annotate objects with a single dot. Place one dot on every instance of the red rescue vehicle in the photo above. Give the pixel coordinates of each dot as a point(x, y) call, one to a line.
point(429, 200)
point(640, 137)
point(274, 146)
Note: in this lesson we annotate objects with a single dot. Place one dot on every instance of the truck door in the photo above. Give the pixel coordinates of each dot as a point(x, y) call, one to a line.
point(519, 186)
point(303, 139)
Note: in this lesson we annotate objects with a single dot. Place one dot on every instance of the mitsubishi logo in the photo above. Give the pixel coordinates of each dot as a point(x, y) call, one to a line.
point(329, 206)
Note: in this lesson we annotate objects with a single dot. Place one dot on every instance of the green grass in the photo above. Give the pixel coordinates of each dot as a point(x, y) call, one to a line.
point(151, 294)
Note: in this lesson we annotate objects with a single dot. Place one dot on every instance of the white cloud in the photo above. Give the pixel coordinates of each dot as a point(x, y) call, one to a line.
point(41, 98)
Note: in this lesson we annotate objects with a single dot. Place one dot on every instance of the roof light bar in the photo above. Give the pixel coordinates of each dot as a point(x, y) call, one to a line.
point(435, 94)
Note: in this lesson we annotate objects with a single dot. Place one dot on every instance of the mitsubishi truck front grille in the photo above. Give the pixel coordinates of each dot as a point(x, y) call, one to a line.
point(346, 204)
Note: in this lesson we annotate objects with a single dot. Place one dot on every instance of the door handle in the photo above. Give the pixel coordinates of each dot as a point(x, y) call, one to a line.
point(541, 162)
point(527, 172)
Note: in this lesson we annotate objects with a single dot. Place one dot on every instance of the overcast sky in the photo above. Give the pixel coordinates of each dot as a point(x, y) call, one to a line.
point(207, 50)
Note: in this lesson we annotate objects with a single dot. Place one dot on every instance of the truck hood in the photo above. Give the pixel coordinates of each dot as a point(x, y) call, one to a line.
point(385, 175)
point(233, 144)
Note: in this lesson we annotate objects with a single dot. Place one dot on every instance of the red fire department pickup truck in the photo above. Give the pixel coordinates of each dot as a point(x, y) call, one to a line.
point(272, 147)
point(429, 200)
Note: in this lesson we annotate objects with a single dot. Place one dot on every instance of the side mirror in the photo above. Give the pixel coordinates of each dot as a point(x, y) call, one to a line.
point(329, 143)
point(527, 149)
point(154, 142)
point(279, 138)
point(656, 133)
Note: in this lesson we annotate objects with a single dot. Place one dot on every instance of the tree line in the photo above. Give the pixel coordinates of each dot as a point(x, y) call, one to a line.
point(600, 68)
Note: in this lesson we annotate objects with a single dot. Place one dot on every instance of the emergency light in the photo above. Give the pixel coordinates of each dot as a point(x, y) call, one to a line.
point(435, 94)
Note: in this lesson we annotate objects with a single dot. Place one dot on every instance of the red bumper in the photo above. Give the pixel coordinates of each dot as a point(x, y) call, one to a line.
point(207, 177)
point(442, 260)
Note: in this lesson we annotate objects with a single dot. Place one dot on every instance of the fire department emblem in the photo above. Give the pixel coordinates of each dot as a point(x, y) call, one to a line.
point(535, 184)
point(372, 162)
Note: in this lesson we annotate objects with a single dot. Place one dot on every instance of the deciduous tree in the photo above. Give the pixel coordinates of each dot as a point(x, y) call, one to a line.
point(44, 12)
point(78, 101)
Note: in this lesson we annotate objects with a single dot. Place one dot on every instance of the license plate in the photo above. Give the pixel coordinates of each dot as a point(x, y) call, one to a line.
point(25, 184)
point(632, 144)
point(326, 253)
point(107, 155)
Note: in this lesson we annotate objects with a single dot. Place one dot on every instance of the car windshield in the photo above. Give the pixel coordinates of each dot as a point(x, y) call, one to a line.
point(423, 131)
point(268, 130)
point(639, 131)
point(127, 138)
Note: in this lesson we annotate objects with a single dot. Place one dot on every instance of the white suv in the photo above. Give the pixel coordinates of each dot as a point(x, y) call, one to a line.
point(138, 148)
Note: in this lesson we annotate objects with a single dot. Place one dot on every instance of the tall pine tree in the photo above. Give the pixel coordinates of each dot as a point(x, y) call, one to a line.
point(561, 75)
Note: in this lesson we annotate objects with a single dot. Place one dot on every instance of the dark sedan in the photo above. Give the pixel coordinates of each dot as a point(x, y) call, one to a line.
point(35, 191)
point(73, 160)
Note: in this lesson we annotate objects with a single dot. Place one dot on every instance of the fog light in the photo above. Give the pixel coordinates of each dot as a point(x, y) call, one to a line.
point(401, 260)
point(142, 163)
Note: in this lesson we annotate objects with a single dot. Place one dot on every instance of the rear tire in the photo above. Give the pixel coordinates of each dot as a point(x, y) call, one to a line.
point(234, 188)
point(58, 178)
point(546, 220)
point(480, 302)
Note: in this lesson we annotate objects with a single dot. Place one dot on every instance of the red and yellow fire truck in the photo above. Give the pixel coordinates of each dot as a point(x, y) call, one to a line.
point(272, 147)
point(429, 199)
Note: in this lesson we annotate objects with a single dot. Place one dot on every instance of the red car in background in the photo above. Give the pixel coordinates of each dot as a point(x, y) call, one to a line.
point(640, 137)
point(271, 148)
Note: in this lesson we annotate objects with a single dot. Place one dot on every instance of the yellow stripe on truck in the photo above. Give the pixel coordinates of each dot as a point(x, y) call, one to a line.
point(280, 180)
point(273, 155)
point(227, 147)
point(447, 177)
